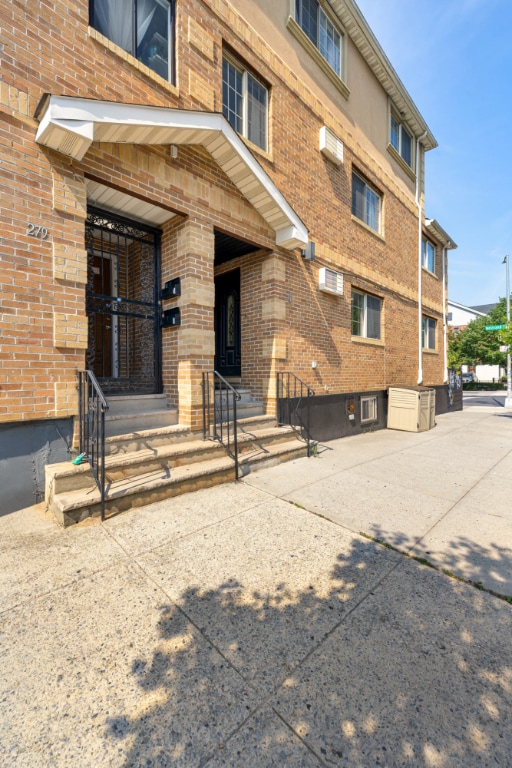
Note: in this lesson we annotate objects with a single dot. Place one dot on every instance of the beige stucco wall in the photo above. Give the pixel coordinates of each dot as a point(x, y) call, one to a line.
point(365, 114)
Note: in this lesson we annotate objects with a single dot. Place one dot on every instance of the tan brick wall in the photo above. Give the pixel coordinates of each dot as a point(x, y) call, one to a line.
point(69, 194)
point(70, 331)
point(286, 321)
point(69, 264)
point(201, 39)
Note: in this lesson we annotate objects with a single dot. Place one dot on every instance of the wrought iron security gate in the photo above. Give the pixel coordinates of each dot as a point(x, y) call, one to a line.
point(122, 300)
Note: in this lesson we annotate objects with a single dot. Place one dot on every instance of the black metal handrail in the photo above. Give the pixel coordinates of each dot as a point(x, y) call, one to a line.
point(92, 407)
point(219, 413)
point(290, 393)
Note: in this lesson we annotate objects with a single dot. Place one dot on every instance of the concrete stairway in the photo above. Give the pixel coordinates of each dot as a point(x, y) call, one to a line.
point(130, 413)
point(156, 463)
point(246, 407)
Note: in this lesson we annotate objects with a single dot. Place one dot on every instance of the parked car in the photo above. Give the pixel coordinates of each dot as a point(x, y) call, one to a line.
point(467, 377)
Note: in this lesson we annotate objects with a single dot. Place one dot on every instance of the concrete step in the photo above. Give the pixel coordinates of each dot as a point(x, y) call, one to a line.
point(65, 476)
point(127, 423)
point(159, 463)
point(128, 404)
point(246, 406)
point(74, 506)
point(147, 438)
point(260, 457)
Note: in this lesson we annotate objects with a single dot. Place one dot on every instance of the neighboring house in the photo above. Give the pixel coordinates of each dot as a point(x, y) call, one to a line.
point(459, 317)
point(168, 177)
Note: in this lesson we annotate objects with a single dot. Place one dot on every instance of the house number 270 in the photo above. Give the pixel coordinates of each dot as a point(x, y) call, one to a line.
point(33, 230)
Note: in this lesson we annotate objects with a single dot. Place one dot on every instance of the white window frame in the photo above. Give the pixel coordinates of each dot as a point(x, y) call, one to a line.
point(364, 316)
point(369, 190)
point(371, 403)
point(425, 257)
point(322, 19)
point(399, 145)
point(429, 330)
point(246, 77)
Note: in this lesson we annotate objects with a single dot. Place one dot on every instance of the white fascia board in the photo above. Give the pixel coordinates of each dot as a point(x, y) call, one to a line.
point(436, 230)
point(82, 120)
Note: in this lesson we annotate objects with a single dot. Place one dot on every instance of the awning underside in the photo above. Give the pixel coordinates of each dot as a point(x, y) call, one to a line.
point(70, 126)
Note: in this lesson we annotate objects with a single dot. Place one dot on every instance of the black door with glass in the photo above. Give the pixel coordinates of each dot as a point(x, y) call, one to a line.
point(122, 304)
point(227, 324)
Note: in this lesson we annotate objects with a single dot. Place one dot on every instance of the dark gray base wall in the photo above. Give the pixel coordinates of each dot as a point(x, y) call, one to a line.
point(448, 398)
point(330, 415)
point(25, 449)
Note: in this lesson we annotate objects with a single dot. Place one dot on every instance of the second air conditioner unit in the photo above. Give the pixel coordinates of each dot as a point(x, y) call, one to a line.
point(331, 146)
point(330, 281)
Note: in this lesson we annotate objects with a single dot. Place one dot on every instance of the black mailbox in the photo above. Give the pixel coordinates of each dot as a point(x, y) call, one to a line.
point(171, 288)
point(171, 317)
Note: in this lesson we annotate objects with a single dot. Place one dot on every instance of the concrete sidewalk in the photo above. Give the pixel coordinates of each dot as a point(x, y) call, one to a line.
point(252, 625)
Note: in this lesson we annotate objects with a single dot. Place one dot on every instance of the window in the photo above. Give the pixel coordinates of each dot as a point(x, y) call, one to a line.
point(143, 28)
point(366, 312)
point(368, 409)
point(366, 202)
point(429, 255)
point(321, 31)
point(429, 333)
point(401, 140)
point(244, 102)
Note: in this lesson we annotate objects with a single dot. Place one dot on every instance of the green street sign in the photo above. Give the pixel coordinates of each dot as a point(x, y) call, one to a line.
point(495, 327)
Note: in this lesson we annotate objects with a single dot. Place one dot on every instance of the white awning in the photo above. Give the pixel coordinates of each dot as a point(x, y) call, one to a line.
point(70, 125)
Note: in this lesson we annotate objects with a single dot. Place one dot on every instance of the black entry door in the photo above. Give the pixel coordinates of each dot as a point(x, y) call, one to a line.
point(227, 324)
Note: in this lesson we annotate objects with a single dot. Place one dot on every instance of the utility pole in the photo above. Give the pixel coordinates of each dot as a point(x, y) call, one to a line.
point(508, 398)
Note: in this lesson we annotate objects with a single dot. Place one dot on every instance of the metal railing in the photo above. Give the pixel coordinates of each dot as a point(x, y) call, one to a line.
point(92, 407)
point(294, 405)
point(219, 413)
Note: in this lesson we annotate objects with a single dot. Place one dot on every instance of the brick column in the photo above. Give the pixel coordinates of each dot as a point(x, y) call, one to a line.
point(273, 316)
point(195, 249)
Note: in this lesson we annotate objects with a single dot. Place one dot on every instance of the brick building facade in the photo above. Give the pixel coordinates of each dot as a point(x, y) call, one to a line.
point(221, 143)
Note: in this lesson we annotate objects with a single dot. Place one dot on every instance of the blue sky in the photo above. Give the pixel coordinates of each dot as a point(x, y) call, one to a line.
point(455, 59)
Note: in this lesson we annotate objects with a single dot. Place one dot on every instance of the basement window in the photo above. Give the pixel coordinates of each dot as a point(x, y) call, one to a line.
point(368, 409)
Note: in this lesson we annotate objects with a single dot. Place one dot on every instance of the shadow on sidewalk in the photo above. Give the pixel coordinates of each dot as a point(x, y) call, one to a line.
point(412, 669)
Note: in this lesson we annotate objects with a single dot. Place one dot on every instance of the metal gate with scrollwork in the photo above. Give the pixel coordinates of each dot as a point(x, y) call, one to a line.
point(122, 304)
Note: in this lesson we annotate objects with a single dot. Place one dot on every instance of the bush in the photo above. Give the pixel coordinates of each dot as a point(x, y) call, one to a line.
point(489, 386)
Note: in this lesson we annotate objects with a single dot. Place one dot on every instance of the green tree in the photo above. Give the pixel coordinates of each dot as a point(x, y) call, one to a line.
point(476, 345)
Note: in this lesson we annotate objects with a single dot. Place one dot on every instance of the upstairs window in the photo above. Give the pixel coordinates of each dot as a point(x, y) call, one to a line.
point(366, 202)
point(429, 332)
point(401, 140)
point(244, 102)
point(143, 28)
point(317, 26)
point(366, 314)
point(428, 255)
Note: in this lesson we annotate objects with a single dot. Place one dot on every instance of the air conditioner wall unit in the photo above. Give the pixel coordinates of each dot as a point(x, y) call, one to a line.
point(330, 281)
point(331, 146)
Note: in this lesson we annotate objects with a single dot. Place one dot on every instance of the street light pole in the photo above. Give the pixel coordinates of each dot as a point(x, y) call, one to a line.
point(508, 398)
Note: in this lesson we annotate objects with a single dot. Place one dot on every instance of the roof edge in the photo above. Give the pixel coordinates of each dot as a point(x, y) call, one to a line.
point(364, 39)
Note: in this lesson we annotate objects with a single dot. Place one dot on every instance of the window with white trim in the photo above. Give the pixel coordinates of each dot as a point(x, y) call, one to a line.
point(143, 28)
point(428, 257)
point(244, 102)
point(318, 27)
point(368, 409)
point(366, 315)
point(366, 202)
point(429, 327)
point(401, 140)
